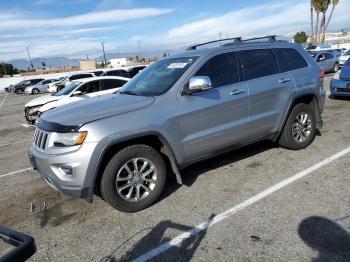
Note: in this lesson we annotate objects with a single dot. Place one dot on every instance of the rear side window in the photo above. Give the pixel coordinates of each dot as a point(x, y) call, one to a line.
point(289, 59)
point(111, 83)
point(222, 69)
point(258, 63)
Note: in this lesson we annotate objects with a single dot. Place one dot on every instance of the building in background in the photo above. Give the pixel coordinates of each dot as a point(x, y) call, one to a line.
point(117, 62)
point(87, 65)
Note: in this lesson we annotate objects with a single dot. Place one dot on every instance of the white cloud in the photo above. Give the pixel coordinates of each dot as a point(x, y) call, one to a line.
point(97, 17)
point(283, 18)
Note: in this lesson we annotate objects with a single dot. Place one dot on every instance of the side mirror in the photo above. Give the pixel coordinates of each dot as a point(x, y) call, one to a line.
point(76, 93)
point(199, 83)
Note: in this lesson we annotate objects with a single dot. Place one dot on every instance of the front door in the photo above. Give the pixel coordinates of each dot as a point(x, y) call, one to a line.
point(218, 117)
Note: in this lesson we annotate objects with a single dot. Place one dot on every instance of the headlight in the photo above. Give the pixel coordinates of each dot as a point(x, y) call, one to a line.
point(33, 110)
point(69, 139)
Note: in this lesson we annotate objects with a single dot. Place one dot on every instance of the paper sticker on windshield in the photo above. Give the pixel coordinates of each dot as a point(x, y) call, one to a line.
point(177, 65)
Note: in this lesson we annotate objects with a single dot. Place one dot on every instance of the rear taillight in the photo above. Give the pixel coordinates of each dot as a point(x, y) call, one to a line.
point(322, 73)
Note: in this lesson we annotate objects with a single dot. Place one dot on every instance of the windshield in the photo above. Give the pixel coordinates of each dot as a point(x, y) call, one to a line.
point(347, 52)
point(68, 89)
point(158, 78)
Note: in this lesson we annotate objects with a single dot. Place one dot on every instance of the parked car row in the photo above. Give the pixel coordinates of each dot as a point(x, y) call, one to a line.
point(40, 85)
point(75, 90)
point(180, 110)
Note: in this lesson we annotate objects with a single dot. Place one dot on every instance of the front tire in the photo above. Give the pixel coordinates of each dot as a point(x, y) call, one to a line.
point(134, 178)
point(35, 91)
point(300, 128)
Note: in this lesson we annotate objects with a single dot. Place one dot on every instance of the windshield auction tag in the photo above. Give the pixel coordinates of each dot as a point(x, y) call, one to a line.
point(177, 65)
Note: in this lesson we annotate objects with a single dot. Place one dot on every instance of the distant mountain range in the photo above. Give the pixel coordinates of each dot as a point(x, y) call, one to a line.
point(50, 62)
point(59, 62)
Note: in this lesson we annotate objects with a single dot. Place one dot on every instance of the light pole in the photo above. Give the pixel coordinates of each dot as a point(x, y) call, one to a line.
point(104, 54)
point(139, 49)
point(30, 60)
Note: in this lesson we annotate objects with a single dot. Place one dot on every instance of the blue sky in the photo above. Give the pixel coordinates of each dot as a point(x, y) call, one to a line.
point(76, 28)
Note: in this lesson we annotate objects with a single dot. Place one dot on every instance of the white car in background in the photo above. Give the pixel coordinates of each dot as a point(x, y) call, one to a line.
point(67, 79)
point(73, 92)
point(344, 57)
point(41, 87)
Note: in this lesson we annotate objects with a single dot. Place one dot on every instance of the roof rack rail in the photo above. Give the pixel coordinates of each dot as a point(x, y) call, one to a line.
point(236, 40)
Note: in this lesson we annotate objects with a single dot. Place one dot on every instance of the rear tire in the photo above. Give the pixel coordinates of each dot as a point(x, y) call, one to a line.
point(300, 128)
point(18, 91)
point(121, 173)
point(335, 67)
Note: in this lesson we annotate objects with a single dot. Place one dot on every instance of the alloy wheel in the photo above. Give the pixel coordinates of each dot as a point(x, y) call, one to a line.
point(301, 128)
point(136, 179)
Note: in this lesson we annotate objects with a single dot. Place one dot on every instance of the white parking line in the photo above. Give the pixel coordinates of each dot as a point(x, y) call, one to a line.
point(12, 143)
point(16, 172)
point(218, 218)
point(2, 102)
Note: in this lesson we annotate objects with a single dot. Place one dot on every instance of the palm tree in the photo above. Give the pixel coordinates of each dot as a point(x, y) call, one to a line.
point(334, 3)
point(324, 7)
point(312, 21)
point(317, 4)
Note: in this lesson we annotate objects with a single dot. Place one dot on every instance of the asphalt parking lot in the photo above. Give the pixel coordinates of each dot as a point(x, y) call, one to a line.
point(230, 208)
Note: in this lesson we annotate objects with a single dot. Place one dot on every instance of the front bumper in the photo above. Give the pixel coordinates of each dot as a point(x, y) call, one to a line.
point(340, 87)
point(65, 172)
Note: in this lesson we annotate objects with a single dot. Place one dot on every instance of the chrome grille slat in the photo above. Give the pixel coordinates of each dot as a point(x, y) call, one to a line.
point(40, 139)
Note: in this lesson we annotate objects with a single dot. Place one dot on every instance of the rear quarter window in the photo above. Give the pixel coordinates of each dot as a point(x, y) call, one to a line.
point(289, 59)
point(258, 63)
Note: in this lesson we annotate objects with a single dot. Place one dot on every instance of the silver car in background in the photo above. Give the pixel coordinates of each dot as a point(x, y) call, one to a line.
point(327, 60)
point(41, 87)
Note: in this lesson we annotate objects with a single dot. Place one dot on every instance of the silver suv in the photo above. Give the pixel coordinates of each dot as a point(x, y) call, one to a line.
point(179, 110)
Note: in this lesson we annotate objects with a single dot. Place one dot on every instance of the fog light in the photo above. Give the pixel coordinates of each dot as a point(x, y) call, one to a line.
point(67, 170)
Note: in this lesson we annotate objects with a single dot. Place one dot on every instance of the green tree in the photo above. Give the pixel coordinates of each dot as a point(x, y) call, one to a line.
point(7, 69)
point(300, 37)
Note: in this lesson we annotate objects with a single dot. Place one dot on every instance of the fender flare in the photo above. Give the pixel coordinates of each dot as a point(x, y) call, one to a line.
point(102, 148)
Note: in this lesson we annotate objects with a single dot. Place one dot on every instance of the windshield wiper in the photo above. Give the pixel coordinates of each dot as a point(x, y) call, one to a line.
point(127, 92)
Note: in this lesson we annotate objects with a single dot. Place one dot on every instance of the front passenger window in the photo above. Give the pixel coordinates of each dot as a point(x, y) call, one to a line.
point(222, 70)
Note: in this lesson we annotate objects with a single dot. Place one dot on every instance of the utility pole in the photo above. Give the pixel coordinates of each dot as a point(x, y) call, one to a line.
point(140, 49)
point(220, 37)
point(30, 60)
point(104, 54)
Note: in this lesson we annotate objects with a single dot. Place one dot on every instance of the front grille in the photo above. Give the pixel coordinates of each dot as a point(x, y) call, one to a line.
point(40, 139)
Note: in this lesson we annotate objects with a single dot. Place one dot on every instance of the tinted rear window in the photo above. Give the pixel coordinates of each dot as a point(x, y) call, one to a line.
point(258, 63)
point(222, 69)
point(289, 59)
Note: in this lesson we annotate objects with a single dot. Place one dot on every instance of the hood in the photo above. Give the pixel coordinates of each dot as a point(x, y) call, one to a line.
point(345, 72)
point(57, 103)
point(88, 110)
point(43, 100)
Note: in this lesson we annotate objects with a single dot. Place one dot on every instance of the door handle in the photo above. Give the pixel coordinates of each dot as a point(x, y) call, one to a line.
point(237, 92)
point(284, 80)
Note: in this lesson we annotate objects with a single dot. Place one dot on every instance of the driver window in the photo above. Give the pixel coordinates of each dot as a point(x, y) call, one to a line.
point(221, 69)
point(89, 87)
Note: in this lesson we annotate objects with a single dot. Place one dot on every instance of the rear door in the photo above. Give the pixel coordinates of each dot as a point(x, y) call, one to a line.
point(216, 118)
point(268, 90)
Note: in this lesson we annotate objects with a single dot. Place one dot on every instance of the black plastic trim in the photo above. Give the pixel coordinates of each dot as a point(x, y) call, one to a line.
point(56, 127)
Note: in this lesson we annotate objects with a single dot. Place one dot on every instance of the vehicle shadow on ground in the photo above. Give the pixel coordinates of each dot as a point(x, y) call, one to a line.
point(342, 98)
point(327, 237)
point(184, 251)
point(190, 174)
